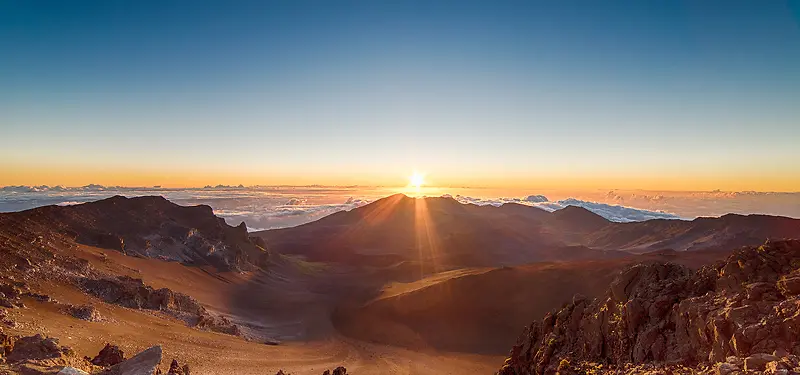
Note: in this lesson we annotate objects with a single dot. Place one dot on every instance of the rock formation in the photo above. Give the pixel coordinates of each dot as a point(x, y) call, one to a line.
point(135, 294)
point(742, 314)
point(110, 355)
point(37, 347)
point(143, 226)
point(144, 363)
point(84, 312)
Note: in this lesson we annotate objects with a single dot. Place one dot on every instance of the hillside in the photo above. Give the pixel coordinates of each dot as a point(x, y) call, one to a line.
point(481, 310)
point(442, 234)
point(144, 226)
point(737, 315)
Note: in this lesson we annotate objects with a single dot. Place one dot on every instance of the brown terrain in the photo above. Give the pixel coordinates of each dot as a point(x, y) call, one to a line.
point(448, 234)
point(399, 286)
point(740, 315)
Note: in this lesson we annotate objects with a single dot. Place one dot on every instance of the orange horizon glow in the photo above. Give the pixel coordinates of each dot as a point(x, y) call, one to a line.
point(138, 177)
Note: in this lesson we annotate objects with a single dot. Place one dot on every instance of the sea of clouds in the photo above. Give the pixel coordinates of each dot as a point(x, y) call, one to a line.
point(613, 212)
point(269, 207)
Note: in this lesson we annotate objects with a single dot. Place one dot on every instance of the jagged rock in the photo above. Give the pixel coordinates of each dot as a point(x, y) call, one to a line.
point(176, 369)
point(144, 363)
point(10, 296)
point(722, 317)
point(37, 347)
point(217, 323)
point(133, 293)
point(110, 355)
point(337, 371)
point(72, 371)
point(85, 312)
point(758, 362)
point(6, 345)
point(39, 297)
point(789, 286)
point(724, 368)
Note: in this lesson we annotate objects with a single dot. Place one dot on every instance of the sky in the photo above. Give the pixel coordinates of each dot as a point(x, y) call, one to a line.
point(660, 95)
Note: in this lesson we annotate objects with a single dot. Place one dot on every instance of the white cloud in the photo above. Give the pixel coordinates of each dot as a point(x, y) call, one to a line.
point(296, 202)
point(616, 213)
point(69, 203)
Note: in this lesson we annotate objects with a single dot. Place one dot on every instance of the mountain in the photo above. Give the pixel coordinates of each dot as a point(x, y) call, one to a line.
point(438, 233)
point(725, 232)
point(441, 233)
point(740, 314)
point(147, 227)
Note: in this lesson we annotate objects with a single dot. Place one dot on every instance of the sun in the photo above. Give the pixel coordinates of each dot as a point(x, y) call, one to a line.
point(416, 180)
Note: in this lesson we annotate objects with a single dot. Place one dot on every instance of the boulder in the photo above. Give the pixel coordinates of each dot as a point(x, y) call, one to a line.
point(72, 371)
point(36, 347)
point(110, 355)
point(724, 368)
point(758, 362)
point(85, 312)
point(789, 286)
point(176, 369)
point(144, 363)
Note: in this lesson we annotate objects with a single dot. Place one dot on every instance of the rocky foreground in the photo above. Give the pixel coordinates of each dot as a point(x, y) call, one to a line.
point(741, 315)
point(40, 355)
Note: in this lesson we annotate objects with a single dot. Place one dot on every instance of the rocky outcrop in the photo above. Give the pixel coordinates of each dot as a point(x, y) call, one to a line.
point(37, 347)
point(742, 314)
point(110, 355)
point(337, 371)
point(176, 369)
point(144, 363)
point(10, 294)
point(142, 226)
point(84, 312)
point(135, 294)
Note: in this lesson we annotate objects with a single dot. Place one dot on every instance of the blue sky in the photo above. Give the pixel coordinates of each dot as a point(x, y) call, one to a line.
point(637, 94)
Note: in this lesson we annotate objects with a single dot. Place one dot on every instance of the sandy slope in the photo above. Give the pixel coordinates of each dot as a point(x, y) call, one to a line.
point(483, 310)
point(214, 353)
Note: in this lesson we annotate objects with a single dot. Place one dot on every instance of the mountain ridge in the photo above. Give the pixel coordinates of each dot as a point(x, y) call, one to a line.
point(401, 227)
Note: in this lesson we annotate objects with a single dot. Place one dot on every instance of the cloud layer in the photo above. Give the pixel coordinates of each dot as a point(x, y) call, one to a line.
point(611, 212)
point(268, 207)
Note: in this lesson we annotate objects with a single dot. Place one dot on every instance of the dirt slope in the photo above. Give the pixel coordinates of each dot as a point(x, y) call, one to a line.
point(482, 310)
point(740, 314)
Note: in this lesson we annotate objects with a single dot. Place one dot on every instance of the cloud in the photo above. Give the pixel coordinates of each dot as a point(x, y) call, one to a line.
point(536, 199)
point(296, 202)
point(611, 212)
point(499, 201)
point(618, 213)
point(69, 203)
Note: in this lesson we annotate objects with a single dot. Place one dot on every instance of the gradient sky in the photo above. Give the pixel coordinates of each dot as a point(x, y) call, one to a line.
point(594, 94)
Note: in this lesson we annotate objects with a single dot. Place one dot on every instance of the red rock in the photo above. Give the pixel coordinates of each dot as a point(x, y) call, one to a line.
point(110, 355)
point(656, 314)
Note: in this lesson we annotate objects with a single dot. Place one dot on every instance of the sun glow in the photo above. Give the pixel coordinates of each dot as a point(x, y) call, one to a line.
point(416, 180)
